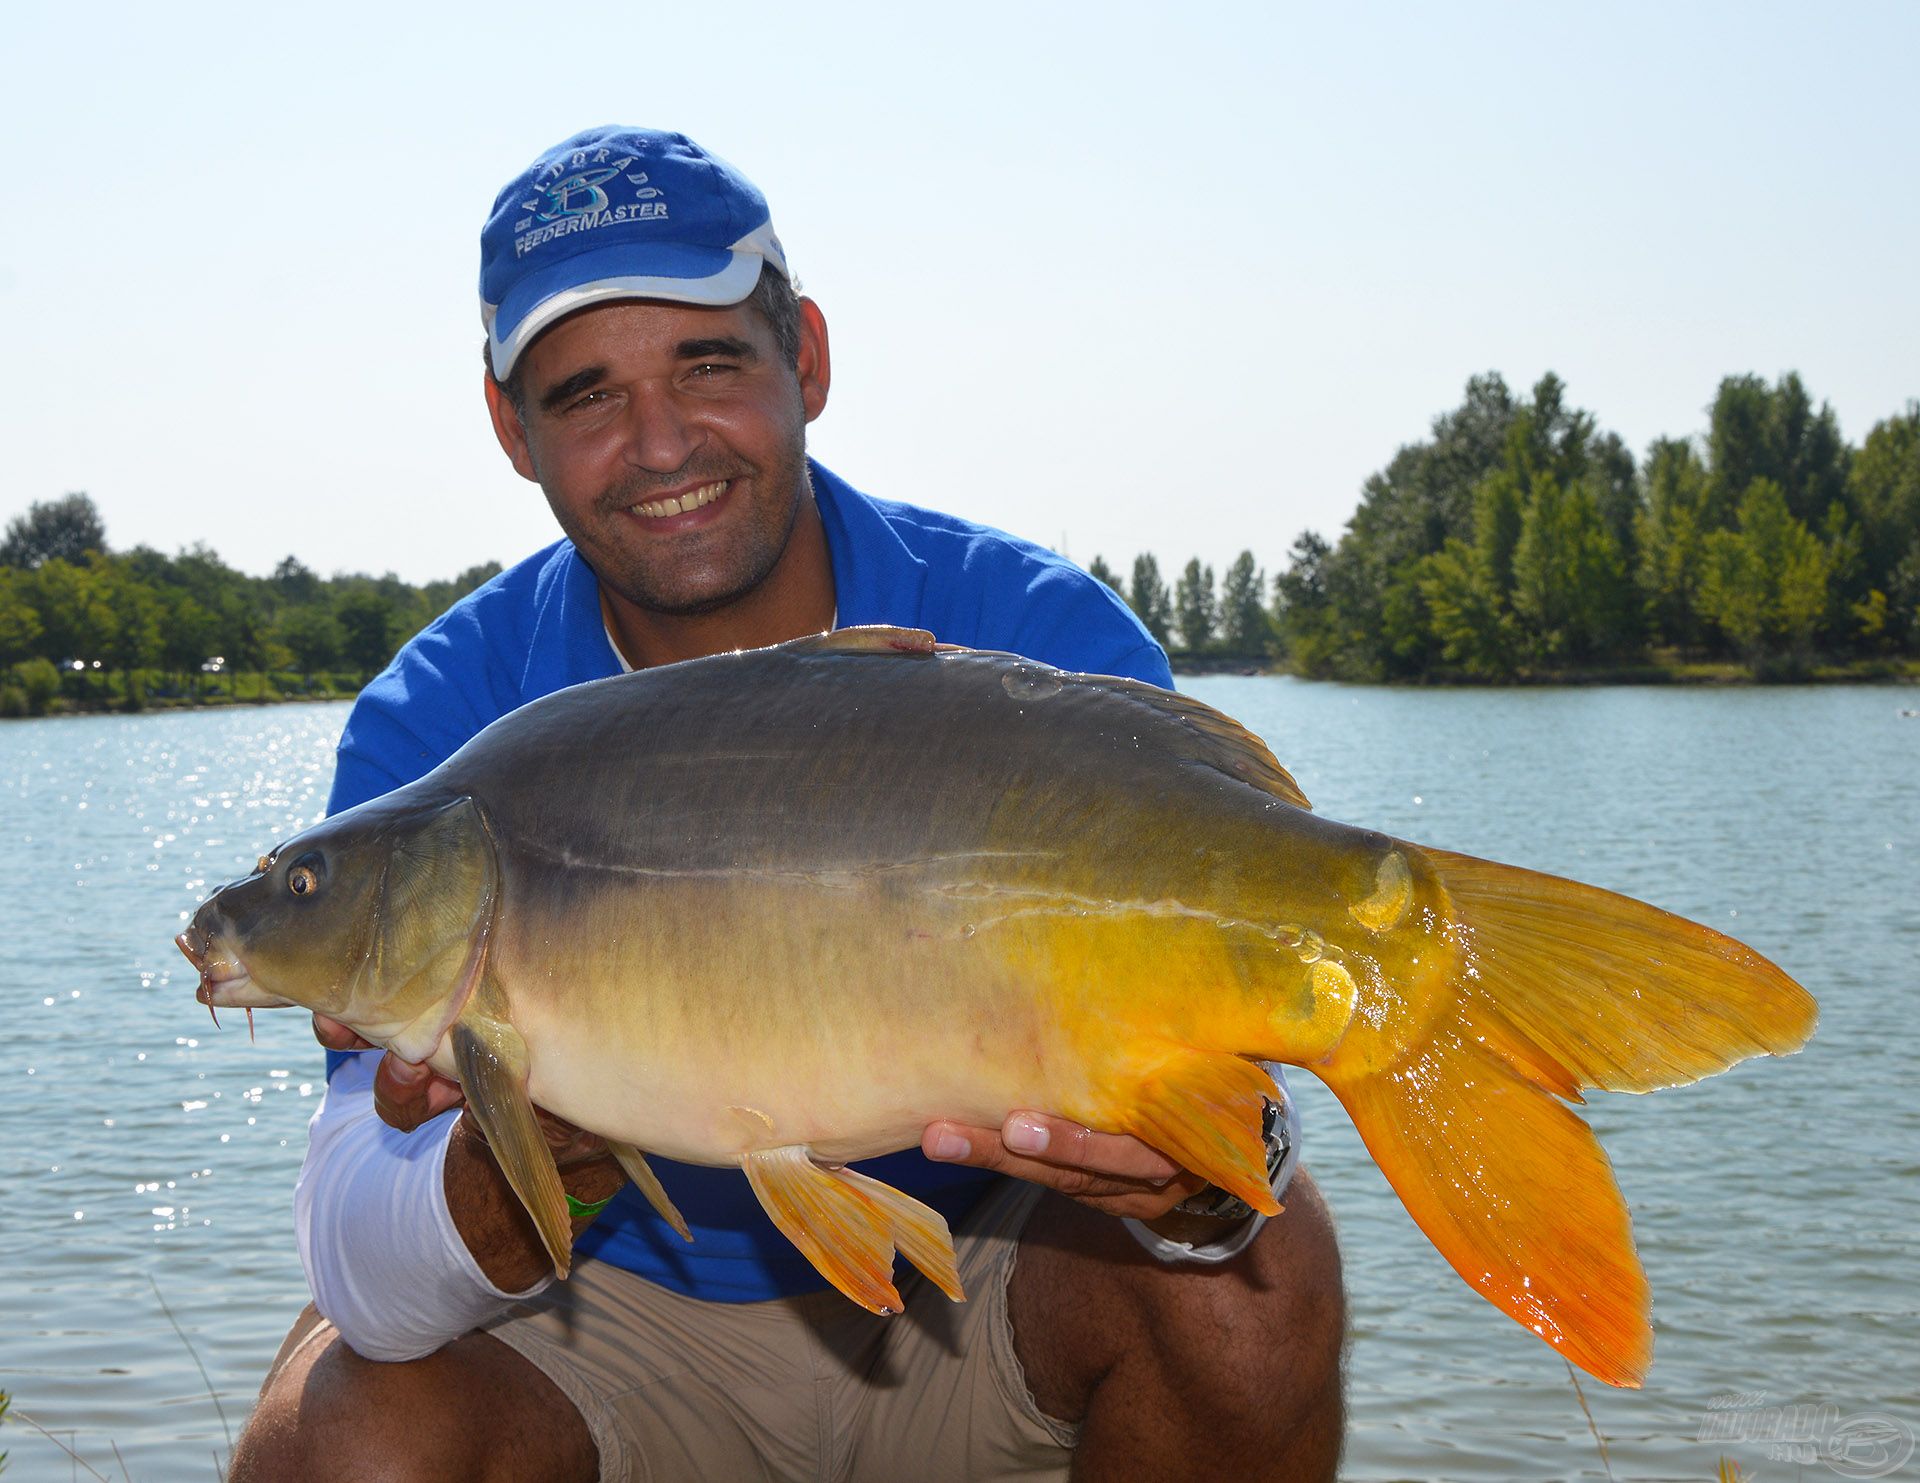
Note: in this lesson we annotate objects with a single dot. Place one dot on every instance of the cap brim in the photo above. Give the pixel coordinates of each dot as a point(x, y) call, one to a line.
point(674, 271)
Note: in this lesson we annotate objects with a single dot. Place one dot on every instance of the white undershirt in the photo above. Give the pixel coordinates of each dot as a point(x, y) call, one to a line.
point(382, 1255)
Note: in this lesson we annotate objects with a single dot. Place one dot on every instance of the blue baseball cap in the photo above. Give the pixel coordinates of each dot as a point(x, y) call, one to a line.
point(617, 213)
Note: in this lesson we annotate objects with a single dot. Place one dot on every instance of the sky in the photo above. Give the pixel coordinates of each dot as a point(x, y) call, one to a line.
point(1114, 277)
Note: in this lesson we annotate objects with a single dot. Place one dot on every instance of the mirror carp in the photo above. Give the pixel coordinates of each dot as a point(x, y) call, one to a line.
point(780, 909)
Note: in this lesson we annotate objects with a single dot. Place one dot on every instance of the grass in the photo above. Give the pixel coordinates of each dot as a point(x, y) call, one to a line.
point(1592, 1426)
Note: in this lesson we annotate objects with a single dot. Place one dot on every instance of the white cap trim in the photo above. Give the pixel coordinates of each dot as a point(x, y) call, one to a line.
point(730, 285)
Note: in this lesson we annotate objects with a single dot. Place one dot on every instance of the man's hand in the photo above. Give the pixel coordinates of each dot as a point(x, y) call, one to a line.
point(1109, 1172)
point(407, 1094)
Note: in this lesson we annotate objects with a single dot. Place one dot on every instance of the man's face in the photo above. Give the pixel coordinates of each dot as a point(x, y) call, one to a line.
point(670, 440)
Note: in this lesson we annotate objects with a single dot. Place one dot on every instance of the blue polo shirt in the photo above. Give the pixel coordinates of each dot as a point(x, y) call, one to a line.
point(537, 628)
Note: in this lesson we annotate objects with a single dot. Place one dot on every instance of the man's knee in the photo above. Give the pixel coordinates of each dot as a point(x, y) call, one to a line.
point(473, 1410)
point(1271, 1322)
point(1247, 1354)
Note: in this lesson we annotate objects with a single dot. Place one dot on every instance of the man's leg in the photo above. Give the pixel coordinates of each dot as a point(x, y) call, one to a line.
point(474, 1410)
point(1176, 1372)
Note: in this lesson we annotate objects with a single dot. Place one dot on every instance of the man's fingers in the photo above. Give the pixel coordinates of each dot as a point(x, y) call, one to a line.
point(956, 1143)
point(407, 1094)
point(1058, 1140)
point(984, 1148)
point(336, 1036)
point(1064, 1156)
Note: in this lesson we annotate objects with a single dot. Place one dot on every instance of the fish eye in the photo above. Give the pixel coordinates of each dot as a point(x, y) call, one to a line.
point(303, 876)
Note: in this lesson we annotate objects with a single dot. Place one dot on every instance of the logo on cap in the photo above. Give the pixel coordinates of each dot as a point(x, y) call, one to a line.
point(579, 194)
point(576, 201)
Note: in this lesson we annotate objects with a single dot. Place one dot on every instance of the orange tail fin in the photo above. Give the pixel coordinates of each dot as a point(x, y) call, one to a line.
point(1561, 986)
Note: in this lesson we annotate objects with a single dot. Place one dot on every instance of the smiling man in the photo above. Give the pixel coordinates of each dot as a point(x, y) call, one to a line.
point(652, 367)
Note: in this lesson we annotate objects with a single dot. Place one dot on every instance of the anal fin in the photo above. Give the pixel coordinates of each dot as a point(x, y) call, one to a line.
point(638, 1170)
point(1203, 1110)
point(848, 1226)
point(491, 1060)
point(919, 1232)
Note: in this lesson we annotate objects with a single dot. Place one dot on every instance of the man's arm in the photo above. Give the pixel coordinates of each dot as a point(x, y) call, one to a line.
point(412, 1239)
point(492, 1225)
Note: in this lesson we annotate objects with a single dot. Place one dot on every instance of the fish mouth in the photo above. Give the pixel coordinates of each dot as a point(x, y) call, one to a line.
point(224, 983)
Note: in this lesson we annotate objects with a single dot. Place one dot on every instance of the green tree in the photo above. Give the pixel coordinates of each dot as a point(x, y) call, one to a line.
point(1903, 601)
point(1101, 572)
point(20, 627)
point(1243, 607)
point(1372, 622)
point(135, 642)
point(1761, 432)
point(1407, 643)
point(1870, 619)
point(1766, 582)
point(65, 529)
point(1499, 504)
point(1884, 493)
point(1570, 586)
point(1302, 612)
point(188, 633)
point(436, 597)
point(294, 582)
point(40, 680)
point(313, 637)
point(1468, 613)
point(1148, 597)
point(74, 609)
point(368, 629)
point(1615, 482)
point(1672, 540)
point(245, 638)
point(1196, 610)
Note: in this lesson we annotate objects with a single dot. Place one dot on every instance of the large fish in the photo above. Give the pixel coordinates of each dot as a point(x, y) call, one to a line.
point(780, 909)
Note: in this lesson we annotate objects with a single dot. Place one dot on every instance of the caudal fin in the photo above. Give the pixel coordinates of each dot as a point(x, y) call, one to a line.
point(1560, 987)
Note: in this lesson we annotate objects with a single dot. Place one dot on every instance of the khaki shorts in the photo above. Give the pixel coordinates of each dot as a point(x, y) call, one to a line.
point(811, 1387)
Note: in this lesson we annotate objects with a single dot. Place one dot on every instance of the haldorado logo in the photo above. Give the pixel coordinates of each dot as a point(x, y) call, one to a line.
point(573, 198)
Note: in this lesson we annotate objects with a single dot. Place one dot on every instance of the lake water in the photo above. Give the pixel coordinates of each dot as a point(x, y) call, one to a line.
point(147, 1158)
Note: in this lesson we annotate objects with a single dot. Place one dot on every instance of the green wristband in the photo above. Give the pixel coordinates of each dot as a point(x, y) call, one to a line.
point(577, 1209)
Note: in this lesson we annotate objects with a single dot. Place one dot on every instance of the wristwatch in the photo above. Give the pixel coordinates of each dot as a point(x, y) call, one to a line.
point(1240, 1222)
point(1278, 1136)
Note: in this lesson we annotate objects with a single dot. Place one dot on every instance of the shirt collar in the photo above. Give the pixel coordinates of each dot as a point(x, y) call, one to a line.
point(876, 579)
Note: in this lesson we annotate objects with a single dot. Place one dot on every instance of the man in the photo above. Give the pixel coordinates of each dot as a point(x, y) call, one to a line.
point(652, 368)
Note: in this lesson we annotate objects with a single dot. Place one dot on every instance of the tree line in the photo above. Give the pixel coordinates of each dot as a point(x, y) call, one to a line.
point(84, 625)
point(1519, 539)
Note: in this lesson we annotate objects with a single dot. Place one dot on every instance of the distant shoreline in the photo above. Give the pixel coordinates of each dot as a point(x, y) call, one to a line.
point(66, 708)
point(1704, 673)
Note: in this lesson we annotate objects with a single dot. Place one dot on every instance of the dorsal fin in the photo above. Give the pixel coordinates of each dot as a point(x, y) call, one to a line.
point(873, 638)
point(1227, 745)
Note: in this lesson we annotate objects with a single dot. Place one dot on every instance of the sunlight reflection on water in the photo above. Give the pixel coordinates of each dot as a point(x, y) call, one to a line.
point(1774, 1206)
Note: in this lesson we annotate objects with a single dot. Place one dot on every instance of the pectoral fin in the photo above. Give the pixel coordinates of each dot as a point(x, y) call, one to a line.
point(1203, 1110)
point(635, 1163)
point(491, 1060)
point(848, 1226)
